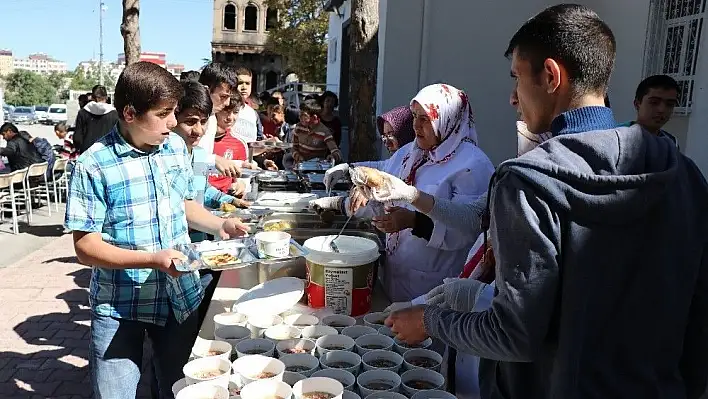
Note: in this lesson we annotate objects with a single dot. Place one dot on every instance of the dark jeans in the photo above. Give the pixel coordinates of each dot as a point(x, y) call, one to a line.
point(116, 354)
point(208, 293)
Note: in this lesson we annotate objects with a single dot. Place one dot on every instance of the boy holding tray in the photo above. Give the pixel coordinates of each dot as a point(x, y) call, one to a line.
point(131, 199)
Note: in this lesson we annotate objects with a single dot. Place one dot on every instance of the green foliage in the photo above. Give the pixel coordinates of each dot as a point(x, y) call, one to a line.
point(84, 80)
point(301, 37)
point(26, 88)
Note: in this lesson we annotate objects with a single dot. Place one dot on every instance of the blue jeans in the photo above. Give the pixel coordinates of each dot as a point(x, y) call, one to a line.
point(116, 353)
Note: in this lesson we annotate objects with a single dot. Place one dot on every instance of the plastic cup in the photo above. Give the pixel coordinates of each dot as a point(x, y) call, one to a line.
point(330, 343)
point(215, 370)
point(273, 244)
point(281, 332)
point(210, 348)
point(203, 390)
point(375, 319)
point(347, 379)
point(229, 319)
point(343, 360)
point(178, 386)
point(434, 394)
point(387, 332)
point(301, 321)
point(422, 358)
point(411, 379)
point(401, 347)
point(357, 331)
point(349, 395)
point(291, 346)
point(314, 332)
point(232, 335)
point(387, 395)
point(382, 360)
point(292, 378)
point(377, 381)
point(266, 388)
point(301, 363)
point(257, 367)
point(259, 346)
point(371, 342)
point(258, 324)
point(339, 321)
point(318, 384)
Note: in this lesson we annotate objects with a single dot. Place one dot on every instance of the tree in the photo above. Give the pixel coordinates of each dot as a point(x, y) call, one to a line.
point(26, 88)
point(300, 37)
point(85, 79)
point(363, 53)
point(130, 30)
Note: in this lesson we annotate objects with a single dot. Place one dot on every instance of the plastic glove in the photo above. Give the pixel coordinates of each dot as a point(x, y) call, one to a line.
point(333, 175)
point(462, 294)
point(327, 204)
point(436, 297)
point(398, 306)
point(392, 189)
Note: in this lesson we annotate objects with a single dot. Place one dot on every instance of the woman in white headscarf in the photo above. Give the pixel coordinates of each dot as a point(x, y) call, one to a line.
point(443, 161)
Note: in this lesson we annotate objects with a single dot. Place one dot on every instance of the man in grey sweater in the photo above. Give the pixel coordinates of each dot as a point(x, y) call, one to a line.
point(600, 237)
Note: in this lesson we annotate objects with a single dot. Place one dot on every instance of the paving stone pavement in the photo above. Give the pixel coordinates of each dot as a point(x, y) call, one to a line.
point(44, 326)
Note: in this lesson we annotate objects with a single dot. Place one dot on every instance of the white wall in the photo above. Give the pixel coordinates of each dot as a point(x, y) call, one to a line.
point(335, 33)
point(464, 44)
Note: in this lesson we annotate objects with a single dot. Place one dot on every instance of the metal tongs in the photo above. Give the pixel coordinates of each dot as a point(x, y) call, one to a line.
point(331, 243)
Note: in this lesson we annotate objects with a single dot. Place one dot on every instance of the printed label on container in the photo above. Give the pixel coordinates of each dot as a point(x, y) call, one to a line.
point(339, 283)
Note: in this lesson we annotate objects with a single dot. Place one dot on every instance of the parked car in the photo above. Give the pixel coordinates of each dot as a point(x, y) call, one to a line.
point(23, 115)
point(40, 111)
point(56, 113)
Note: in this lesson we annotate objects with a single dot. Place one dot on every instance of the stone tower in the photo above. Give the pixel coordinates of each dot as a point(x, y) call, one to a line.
point(239, 36)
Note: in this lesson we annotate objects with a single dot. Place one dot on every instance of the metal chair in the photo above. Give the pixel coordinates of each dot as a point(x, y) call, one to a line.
point(59, 174)
point(9, 196)
point(38, 170)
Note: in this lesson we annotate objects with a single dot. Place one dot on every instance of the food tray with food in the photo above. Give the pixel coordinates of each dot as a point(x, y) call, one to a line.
point(246, 215)
point(290, 221)
point(314, 165)
point(230, 254)
point(283, 201)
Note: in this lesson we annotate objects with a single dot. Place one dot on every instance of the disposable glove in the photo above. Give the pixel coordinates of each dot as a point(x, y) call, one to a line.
point(392, 189)
point(462, 294)
point(333, 175)
point(327, 204)
point(398, 306)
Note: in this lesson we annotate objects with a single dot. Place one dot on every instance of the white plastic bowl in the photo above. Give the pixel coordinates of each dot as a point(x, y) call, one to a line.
point(371, 342)
point(266, 388)
point(347, 379)
point(318, 384)
point(192, 369)
point(328, 343)
point(384, 377)
point(249, 367)
point(357, 331)
point(306, 364)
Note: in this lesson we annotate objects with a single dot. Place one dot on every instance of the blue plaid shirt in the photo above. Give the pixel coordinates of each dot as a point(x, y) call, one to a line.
point(136, 200)
point(206, 194)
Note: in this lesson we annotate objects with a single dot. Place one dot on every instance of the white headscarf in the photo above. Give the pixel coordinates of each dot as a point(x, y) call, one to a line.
point(451, 114)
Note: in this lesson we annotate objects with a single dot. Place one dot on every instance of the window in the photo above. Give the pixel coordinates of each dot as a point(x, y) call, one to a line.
point(673, 44)
point(333, 50)
point(230, 17)
point(271, 18)
point(251, 18)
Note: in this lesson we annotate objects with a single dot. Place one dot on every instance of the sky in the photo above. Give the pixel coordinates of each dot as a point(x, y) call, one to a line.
point(68, 29)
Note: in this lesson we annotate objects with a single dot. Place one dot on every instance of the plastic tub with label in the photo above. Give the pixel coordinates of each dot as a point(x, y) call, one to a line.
point(342, 281)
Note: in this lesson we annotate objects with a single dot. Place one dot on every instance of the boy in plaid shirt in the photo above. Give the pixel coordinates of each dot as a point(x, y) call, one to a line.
point(312, 139)
point(131, 200)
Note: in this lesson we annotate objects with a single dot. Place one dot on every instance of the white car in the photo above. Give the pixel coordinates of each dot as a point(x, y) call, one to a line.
point(56, 113)
point(40, 112)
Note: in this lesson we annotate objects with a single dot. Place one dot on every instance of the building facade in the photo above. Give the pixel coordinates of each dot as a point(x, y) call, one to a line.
point(462, 43)
point(6, 62)
point(40, 63)
point(239, 36)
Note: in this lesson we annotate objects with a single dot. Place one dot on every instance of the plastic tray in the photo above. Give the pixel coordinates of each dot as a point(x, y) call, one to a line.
point(243, 249)
point(246, 215)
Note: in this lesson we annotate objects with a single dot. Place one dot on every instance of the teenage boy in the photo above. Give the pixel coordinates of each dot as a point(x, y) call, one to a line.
point(312, 139)
point(248, 126)
point(94, 120)
point(130, 202)
point(655, 100)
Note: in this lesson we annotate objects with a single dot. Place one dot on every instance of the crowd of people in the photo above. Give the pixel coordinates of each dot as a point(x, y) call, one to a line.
point(576, 270)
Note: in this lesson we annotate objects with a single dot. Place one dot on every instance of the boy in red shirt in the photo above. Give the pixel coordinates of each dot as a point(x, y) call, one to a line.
point(229, 146)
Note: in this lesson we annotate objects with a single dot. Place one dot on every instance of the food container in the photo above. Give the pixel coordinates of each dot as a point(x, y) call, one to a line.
point(422, 358)
point(280, 201)
point(417, 380)
point(382, 360)
point(357, 331)
point(301, 321)
point(339, 321)
point(216, 370)
point(387, 332)
point(350, 395)
point(291, 378)
point(376, 381)
point(258, 367)
point(302, 363)
point(318, 384)
point(293, 346)
point(434, 394)
point(258, 346)
point(259, 323)
point(387, 395)
point(315, 332)
point(347, 379)
point(217, 255)
point(371, 342)
point(402, 347)
point(211, 348)
point(342, 360)
point(342, 281)
point(229, 319)
point(375, 319)
point(266, 389)
point(178, 386)
point(329, 343)
point(203, 390)
point(235, 385)
point(273, 244)
point(232, 335)
point(281, 332)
